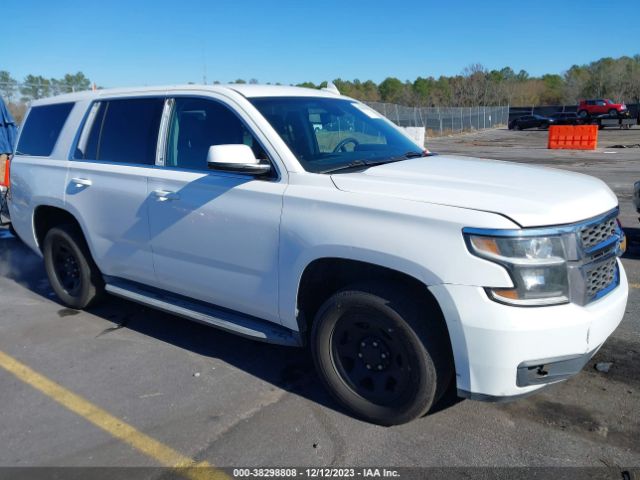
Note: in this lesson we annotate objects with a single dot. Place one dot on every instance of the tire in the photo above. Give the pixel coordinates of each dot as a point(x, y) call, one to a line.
point(73, 275)
point(383, 355)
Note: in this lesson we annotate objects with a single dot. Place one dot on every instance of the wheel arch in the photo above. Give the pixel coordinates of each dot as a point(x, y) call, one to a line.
point(47, 216)
point(324, 276)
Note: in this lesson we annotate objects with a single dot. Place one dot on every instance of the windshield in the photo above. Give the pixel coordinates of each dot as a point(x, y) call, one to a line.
point(326, 134)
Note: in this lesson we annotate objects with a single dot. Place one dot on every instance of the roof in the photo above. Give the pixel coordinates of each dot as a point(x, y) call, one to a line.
point(249, 91)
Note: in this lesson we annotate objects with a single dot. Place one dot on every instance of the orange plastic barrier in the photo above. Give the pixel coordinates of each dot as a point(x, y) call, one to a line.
point(569, 137)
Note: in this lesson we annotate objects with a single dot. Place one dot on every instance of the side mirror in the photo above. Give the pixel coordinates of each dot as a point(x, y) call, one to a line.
point(235, 159)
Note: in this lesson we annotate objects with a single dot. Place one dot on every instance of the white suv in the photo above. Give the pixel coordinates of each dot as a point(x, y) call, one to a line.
point(302, 217)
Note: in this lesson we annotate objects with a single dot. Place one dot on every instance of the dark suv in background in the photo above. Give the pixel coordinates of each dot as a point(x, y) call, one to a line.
point(564, 118)
point(529, 121)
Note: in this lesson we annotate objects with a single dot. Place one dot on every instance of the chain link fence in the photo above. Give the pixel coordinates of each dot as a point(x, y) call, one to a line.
point(443, 120)
point(515, 112)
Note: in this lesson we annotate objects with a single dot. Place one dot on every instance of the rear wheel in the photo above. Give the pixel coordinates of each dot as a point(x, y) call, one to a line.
point(73, 275)
point(382, 354)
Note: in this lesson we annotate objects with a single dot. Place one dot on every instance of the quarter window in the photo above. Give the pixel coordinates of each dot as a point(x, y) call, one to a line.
point(42, 129)
point(121, 131)
point(196, 124)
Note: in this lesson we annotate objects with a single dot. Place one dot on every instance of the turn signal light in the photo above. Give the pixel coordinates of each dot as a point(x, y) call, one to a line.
point(623, 240)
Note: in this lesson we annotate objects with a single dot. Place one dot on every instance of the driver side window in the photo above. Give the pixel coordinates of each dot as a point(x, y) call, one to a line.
point(196, 124)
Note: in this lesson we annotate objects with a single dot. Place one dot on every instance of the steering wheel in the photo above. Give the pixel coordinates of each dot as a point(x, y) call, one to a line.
point(343, 143)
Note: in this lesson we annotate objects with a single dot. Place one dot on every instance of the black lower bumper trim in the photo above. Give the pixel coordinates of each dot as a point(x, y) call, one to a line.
point(540, 372)
point(481, 397)
point(537, 372)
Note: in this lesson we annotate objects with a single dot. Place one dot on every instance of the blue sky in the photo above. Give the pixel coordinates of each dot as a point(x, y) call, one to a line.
point(121, 43)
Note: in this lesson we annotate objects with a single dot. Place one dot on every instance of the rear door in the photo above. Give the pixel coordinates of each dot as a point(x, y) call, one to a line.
point(214, 234)
point(107, 183)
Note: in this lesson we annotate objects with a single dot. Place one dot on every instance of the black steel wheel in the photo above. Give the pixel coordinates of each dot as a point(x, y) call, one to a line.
point(73, 275)
point(383, 353)
point(66, 267)
point(372, 355)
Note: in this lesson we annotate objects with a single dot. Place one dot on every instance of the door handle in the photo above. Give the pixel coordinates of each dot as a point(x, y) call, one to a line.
point(81, 182)
point(165, 195)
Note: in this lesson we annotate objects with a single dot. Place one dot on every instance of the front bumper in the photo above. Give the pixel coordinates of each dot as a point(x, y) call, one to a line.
point(492, 343)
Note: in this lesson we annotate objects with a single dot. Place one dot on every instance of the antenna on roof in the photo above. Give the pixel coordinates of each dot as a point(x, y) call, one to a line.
point(331, 88)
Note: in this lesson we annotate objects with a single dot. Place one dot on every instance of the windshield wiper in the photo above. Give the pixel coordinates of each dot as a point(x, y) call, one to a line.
point(373, 163)
point(348, 166)
point(413, 154)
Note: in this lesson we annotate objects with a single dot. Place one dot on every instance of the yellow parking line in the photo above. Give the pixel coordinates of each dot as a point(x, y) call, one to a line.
point(114, 426)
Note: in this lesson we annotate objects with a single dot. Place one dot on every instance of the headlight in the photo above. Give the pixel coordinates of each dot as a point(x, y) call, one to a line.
point(537, 266)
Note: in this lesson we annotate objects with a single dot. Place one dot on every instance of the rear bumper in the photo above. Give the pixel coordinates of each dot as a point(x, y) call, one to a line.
point(504, 351)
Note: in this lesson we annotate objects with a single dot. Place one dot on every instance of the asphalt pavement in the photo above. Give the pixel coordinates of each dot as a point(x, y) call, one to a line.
point(217, 398)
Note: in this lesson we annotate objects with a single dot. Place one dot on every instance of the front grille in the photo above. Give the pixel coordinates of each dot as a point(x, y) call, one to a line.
point(601, 277)
point(592, 235)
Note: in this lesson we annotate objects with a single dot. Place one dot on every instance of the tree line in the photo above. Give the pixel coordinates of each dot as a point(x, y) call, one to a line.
point(616, 78)
point(33, 87)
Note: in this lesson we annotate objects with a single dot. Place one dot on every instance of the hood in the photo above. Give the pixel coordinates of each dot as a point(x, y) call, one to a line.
point(531, 196)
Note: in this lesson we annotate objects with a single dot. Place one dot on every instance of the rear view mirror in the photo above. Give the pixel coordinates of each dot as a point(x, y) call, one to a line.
point(235, 159)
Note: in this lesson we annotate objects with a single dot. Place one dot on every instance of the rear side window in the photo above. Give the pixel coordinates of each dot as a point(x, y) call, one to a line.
point(121, 131)
point(42, 129)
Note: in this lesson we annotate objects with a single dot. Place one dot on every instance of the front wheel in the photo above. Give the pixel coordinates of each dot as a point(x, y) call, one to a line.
point(73, 275)
point(381, 353)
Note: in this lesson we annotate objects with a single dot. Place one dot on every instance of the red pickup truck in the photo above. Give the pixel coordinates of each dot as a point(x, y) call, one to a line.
point(600, 106)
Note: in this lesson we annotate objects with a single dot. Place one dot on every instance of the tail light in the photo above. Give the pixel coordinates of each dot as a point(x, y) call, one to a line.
point(4, 171)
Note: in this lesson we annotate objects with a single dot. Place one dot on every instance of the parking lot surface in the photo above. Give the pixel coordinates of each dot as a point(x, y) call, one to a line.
point(218, 398)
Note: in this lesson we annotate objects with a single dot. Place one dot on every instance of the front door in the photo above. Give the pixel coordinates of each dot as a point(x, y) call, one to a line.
point(214, 235)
